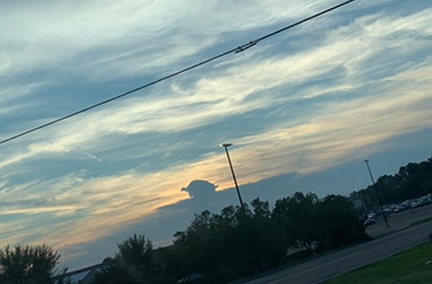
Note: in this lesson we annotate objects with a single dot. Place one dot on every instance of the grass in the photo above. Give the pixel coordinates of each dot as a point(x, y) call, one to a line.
point(413, 266)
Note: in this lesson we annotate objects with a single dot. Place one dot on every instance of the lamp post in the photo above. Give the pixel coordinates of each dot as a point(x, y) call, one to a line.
point(376, 193)
point(226, 145)
point(363, 202)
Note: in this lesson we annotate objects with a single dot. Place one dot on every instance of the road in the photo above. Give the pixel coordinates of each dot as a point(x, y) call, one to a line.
point(334, 264)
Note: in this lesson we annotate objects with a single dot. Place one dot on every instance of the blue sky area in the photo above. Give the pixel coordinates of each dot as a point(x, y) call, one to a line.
point(303, 109)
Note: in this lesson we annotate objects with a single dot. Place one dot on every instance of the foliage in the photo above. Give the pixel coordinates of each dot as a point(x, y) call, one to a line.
point(133, 264)
point(412, 181)
point(224, 246)
point(299, 217)
point(28, 264)
point(317, 225)
point(227, 245)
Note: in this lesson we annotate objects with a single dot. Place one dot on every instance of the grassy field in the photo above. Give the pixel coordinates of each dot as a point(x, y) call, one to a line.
point(413, 266)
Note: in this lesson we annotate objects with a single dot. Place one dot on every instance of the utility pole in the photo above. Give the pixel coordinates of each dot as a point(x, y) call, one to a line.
point(363, 202)
point(226, 145)
point(376, 193)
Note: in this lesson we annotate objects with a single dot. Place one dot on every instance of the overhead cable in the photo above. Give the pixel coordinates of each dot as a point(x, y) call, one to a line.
point(238, 49)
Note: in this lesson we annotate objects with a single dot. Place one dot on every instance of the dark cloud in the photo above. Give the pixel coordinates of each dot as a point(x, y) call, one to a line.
point(200, 190)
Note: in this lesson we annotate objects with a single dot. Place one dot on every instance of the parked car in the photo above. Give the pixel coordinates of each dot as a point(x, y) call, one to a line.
point(399, 209)
point(372, 215)
point(388, 211)
point(369, 221)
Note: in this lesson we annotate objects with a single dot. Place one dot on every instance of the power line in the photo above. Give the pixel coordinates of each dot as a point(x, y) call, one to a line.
point(233, 50)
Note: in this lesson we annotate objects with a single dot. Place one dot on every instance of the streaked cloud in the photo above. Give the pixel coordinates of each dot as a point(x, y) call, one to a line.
point(330, 92)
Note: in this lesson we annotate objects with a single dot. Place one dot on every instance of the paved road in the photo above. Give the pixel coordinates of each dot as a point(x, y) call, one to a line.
point(334, 264)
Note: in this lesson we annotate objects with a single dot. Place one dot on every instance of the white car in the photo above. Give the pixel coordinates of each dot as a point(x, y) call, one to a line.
point(369, 221)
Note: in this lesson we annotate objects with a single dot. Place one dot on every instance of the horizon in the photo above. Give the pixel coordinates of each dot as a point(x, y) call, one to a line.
point(303, 110)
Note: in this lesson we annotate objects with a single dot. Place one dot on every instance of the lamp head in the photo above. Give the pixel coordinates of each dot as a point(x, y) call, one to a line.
point(226, 145)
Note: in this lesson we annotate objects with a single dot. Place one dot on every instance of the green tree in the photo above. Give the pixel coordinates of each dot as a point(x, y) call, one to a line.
point(411, 181)
point(299, 216)
point(338, 224)
point(316, 225)
point(228, 245)
point(28, 264)
point(133, 264)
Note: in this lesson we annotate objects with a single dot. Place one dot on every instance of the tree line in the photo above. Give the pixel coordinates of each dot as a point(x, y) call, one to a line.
point(214, 248)
point(220, 247)
point(229, 245)
point(411, 181)
point(217, 248)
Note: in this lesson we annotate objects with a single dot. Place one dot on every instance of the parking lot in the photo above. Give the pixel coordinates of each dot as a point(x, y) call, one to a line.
point(399, 221)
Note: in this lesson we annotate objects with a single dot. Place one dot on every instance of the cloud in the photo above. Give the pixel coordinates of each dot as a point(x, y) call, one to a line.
point(9, 95)
point(303, 104)
point(233, 90)
point(200, 189)
point(106, 39)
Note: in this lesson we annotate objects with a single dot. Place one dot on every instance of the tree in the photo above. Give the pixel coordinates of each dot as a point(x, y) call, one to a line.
point(266, 237)
point(28, 264)
point(316, 225)
point(133, 264)
point(228, 245)
point(412, 181)
point(299, 216)
point(338, 224)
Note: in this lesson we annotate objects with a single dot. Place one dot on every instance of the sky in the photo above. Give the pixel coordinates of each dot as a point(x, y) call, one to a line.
point(303, 109)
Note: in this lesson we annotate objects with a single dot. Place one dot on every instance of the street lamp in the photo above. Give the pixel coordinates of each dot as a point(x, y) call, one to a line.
point(376, 193)
point(226, 145)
